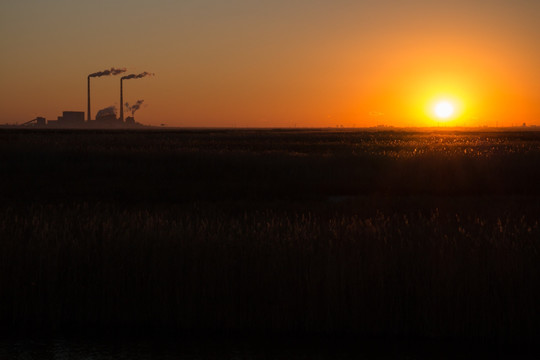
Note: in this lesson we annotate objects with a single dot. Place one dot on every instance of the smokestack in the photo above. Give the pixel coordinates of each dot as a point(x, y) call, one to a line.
point(112, 71)
point(127, 77)
point(88, 113)
point(122, 99)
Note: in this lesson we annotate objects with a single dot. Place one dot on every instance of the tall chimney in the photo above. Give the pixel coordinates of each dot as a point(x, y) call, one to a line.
point(122, 100)
point(89, 117)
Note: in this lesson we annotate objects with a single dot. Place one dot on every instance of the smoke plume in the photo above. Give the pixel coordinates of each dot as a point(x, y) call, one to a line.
point(111, 110)
point(133, 108)
point(137, 76)
point(112, 71)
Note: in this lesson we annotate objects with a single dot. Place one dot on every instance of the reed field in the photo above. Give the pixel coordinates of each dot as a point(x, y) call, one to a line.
point(390, 234)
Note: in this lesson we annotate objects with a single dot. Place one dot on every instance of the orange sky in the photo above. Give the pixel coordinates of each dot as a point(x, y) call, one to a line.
point(280, 63)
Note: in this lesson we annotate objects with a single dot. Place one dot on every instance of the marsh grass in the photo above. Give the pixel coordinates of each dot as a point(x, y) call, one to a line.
point(431, 234)
point(183, 166)
point(203, 268)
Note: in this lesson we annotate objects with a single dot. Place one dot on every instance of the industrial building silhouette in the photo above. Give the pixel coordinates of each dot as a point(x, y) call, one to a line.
point(75, 119)
point(105, 118)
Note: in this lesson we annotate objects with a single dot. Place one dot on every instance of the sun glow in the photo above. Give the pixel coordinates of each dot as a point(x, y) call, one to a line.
point(444, 110)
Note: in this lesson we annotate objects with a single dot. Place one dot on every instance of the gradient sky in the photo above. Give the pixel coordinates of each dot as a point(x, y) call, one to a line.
point(275, 63)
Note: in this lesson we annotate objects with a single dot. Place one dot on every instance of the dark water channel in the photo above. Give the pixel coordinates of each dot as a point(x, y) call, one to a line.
point(62, 348)
point(138, 348)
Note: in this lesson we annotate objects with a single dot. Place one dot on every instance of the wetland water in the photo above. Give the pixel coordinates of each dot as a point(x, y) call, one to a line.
point(60, 348)
point(144, 348)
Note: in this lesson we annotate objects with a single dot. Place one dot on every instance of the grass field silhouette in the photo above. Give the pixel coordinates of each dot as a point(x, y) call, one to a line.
point(407, 234)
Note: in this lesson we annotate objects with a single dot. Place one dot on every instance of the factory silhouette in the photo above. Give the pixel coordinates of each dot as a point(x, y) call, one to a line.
point(105, 118)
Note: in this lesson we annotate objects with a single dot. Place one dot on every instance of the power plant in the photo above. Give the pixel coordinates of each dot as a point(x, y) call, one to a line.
point(105, 118)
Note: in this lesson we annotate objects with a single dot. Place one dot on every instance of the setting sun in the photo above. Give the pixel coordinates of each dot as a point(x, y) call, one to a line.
point(444, 110)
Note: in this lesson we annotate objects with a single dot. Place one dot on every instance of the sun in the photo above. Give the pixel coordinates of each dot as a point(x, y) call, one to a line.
point(444, 110)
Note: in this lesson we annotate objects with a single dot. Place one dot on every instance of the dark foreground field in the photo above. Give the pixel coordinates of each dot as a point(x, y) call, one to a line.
point(354, 235)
